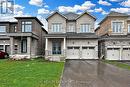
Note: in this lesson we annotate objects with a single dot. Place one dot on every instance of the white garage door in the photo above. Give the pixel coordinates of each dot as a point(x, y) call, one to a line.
point(73, 52)
point(88, 52)
point(113, 54)
point(126, 54)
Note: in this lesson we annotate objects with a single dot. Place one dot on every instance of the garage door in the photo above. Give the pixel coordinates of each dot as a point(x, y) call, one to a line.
point(88, 52)
point(73, 52)
point(126, 54)
point(113, 54)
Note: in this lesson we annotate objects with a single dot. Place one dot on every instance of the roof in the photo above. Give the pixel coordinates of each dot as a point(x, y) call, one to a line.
point(88, 14)
point(97, 28)
point(8, 22)
point(44, 30)
point(112, 13)
point(30, 18)
point(55, 13)
point(74, 35)
point(115, 37)
point(71, 16)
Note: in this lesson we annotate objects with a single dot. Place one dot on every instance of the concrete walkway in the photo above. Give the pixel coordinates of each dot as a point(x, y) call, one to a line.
point(92, 73)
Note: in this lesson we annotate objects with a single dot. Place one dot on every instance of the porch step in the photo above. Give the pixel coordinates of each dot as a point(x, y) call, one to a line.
point(19, 57)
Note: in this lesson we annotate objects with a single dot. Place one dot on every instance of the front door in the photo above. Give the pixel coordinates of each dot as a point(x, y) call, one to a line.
point(24, 46)
point(56, 47)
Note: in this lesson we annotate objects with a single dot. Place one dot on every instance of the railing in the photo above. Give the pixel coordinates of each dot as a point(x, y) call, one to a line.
point(49, 53)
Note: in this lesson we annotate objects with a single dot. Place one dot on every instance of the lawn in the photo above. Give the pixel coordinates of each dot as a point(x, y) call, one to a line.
point(30, 73)
point(118, 64)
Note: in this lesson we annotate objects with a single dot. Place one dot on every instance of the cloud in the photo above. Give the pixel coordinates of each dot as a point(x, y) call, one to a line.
point(43, 11)
point(100, 10)
point(46, 6)
point(121, 10)
point(87, 5)
point(104, 3)
point(125, 3)
point(115, 0)
point(36, 2)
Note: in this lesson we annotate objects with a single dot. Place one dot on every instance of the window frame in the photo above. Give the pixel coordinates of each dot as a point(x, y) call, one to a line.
point(128, 28)
point(115, 30)
point(24, 24)
point(56, 27)
point(85, 28)
point(71, 28)
point(5, 28)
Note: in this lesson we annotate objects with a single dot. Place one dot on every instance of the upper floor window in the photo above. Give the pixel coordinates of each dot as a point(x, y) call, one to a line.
point(128, 28)
point(117, 27)
point(85, 28)
point(56, 27)
point(71, 28)
point(15, 29)
point(3, 29)
point(26, 26)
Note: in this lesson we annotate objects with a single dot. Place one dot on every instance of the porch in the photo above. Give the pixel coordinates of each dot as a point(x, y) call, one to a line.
point(55, 48)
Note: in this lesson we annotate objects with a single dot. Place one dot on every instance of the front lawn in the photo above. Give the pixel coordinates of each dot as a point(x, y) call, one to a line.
point(118, 64)
point(30, 73)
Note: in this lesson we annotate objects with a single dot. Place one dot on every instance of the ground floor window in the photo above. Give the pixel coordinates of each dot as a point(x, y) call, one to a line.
point(24, 46)
point(56, 48)
point(1, 47)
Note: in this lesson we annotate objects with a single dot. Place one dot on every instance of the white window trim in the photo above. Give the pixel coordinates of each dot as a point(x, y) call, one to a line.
point(117, 21)
point(52, 30)
point(5, 28)
point(89, 29)
point(128, 28)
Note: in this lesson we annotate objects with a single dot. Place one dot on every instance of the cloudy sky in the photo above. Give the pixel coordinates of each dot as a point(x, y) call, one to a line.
point(42, 8)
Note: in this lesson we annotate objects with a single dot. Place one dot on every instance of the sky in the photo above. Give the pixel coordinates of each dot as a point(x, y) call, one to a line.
point(43, 8)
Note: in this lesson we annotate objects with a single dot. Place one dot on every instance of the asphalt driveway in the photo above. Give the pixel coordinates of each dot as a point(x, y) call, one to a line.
point(92, 73)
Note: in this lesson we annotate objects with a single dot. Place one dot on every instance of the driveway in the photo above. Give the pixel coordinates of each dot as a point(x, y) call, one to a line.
point(92, 73)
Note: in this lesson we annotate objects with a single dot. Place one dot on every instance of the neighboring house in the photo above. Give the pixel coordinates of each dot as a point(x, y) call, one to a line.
point(71, 36)
point(23, 37)
point(114, 33)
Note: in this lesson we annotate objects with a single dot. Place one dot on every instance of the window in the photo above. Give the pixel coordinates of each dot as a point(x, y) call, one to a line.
point(2, 29)
point(128, 28)
point(24, 46)
point(26, 26)
point(1, 47)
point(117, 27)
point(71, 28)
point(56, 47)
point(56, 27)
point(15, 29)
point(85, 28)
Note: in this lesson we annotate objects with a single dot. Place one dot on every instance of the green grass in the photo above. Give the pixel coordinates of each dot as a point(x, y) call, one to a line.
point(118, 64)
point(30, 73)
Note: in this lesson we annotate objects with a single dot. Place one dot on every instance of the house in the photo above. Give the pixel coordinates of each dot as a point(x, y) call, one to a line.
point(71, 36)
point(23, 37)
point(114, 37)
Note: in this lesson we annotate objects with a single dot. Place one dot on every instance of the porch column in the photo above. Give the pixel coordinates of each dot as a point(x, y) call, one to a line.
point(29, 45)
point(12, 45)
point(46, 47)
point(64, 47)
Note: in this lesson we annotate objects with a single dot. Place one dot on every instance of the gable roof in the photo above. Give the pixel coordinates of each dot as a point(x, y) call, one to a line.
point(71, 16)
point(86, 13)
point(112, 13)
point(55, 13)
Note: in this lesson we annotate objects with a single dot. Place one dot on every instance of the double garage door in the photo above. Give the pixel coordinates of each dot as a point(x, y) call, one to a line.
point(117, 54)
point(80, 52)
